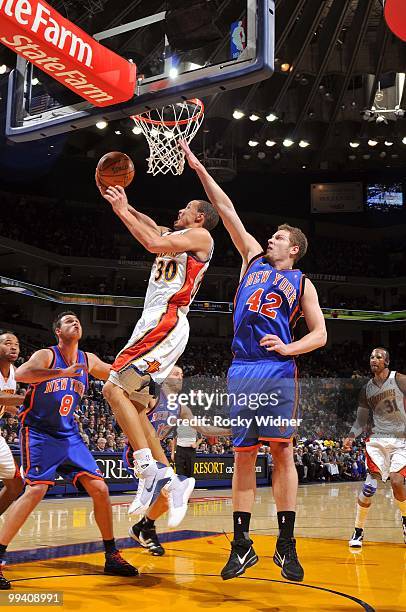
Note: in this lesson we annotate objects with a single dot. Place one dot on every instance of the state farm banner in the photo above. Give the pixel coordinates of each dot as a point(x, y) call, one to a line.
point(34, 30)
point(336, 197)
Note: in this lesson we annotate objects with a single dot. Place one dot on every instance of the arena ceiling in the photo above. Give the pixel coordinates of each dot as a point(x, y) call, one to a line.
point(335, 59)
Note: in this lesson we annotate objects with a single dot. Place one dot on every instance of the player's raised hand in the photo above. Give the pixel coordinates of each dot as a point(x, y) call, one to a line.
point(273, 343)
point(75, 370)
point(117, 197)
point(191, 157)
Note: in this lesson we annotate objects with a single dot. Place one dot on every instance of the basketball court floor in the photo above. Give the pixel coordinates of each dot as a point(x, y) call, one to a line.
point(59, 549)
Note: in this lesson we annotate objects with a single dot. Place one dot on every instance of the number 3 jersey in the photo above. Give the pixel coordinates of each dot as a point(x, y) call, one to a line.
point(49, 406)
point(267, 302)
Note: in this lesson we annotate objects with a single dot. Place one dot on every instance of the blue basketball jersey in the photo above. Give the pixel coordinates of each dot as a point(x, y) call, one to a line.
point(267, 302)
point(163, 417)
point(49, 406)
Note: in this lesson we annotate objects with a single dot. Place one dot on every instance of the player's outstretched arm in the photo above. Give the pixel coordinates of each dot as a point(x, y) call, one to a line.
point(141, 217)
point(246, 244)
point(317, 336)
point(98, 368)
point(37, 370)
point(196, 240)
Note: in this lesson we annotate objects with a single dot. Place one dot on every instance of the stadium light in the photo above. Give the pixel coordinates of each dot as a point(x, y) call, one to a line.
point(354, 144)
point(254, 117)
point(238, 114)
point(303, 144)
point(253, 143)
point(101, 125)
point(388, 143)
point(270, 143)
point(136, 130)
point(372, 142)
point(288, 142)
point(271, 117)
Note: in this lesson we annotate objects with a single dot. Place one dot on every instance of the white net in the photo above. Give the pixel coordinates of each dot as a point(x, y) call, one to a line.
point(163, 128)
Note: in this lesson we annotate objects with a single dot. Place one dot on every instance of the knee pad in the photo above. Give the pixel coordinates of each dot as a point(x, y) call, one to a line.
point(369, 487)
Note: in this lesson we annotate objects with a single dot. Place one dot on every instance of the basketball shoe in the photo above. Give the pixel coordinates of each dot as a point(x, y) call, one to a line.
point(4, 583)
point(286, 558)
point(117, 566)
point(242, 557)
point(356, 538)
point(147, 537)
point(151, 481)
point(179, 490)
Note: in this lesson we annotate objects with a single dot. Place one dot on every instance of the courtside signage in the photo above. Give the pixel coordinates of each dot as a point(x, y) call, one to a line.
point(41, 35)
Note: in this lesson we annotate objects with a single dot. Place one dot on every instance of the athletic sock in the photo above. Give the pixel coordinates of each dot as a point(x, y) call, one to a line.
point(109, 546)
point(241, 525)
point(147, 523)
point(361, 517)
point(286, 523)
point(143, 458)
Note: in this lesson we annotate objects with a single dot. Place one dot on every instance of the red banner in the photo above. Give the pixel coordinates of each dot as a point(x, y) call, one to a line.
point(41, 35)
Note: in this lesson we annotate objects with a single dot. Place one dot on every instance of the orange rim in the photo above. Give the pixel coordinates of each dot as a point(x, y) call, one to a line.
point(150, 121)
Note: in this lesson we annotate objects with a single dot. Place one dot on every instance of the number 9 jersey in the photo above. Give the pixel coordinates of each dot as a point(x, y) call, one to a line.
point(267, 302)
point(49, 406)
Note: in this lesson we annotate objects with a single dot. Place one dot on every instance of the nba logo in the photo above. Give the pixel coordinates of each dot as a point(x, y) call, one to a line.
point(238, 38)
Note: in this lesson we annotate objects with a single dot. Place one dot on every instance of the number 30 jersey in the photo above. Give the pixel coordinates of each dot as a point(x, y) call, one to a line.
point(175, 279)
point(267, 302)
point(49, 406)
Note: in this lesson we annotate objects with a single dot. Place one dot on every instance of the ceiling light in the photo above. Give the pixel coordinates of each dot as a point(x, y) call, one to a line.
point(173, 73)
point(238, 114)
point(303, 144)
point(3, 69)
point(388, 143)
point(270, 143)
point(277, 156)
point(136, 130)
point(354, 144)
point(372, 142)
point(285, 67)
point(254, 117)
point(117, 132)
point(288, 142)
point(253, 143)
point(101, 125)
point(271, 117)
point(35, 81)
point(261, 155)
point(404, 140)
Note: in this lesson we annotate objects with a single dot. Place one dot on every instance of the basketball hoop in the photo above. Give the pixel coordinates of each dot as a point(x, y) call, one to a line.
point(164, 127)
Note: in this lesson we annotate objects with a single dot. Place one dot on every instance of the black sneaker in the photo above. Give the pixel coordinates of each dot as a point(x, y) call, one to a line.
point(286, 557)
point(356, 538)
point(147, 538)
point(117, 566)
point(242, 556)
point(4, 583)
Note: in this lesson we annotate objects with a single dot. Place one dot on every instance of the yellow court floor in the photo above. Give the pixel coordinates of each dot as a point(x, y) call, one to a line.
point(59, 550)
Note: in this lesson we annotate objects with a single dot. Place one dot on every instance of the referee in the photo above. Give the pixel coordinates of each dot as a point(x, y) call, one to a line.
point(183, 450)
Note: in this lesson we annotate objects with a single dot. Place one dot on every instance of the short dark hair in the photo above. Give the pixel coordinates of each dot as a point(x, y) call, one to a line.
point(57, 321)
point(7, 332)
point(211, 216)
point(297, 238)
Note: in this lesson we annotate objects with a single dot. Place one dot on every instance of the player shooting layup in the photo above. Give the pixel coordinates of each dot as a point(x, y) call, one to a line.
point(161, 334)
point(270, 298)
point(383, 397)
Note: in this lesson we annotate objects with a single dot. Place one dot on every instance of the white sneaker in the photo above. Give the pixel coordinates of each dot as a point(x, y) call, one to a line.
point(357, 538)
point(179, 492)
point(151, 481)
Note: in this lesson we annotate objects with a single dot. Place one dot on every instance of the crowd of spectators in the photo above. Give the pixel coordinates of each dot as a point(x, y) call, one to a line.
point(73, 229)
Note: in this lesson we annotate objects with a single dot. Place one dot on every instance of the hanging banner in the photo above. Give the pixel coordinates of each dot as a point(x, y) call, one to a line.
point(42, 36)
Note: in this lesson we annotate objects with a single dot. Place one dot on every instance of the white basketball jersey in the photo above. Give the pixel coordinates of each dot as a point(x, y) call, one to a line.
point(9, 385)
point(388, 407)
point(175, 279)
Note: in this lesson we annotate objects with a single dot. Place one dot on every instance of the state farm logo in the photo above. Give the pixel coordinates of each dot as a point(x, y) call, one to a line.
point(40, 21)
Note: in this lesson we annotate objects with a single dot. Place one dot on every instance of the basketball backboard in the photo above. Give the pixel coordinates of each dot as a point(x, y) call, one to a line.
point(39, 106)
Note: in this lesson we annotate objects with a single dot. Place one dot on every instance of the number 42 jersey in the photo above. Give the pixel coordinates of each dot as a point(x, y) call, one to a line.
point(267, 302)
point(49, 406)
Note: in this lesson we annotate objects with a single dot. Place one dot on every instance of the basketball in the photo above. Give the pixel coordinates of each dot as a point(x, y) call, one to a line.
point(115, 168)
